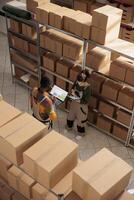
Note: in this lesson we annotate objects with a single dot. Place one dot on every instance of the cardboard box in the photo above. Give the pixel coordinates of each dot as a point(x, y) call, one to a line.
point(4, 166)
point(126, 196)
point(6, 192)
point(20, 181)
point(96, 82)
point(110, 90)
point(43, 12)
point(33, 49)
point(23, 61)
point(39, 192)
point(130, 73)
point(18, 196)
point(63, 155)
point(120, 132)
point(19, 43)
point(33, 82)
point(15, 26)
point(123, 117)
point(49, 61)
point(73, 196)
point(118, 68)
point(93, 102)
point(9, 113)
point(63, 67)
point(106, 109)
point(68, 18)
point(17, 135)
point(105, 37)
point(103, 176)
point(81, 5)
point(61, 83)
point(104, 123)
point(33, 4)
point(126, 97)
point(106, 17)
point(29, 31)
point(98, 58)
point(74, 71)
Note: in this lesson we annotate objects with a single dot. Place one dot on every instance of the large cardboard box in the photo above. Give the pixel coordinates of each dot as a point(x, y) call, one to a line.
point(20, 181)
point(106, 17)
point(23, 61)
point(104, 124)
point(49, 61)
point(126, 196)
point(103, 176)
point(19, 43)
point(111, 90)
point(33, 4)
point(15, 26)
point(74, 71)
point(50, 159)
point(118, 68)
point(18, 135)
point(8, 113)
point(63, 67)
point(98, 58)
point(120, 132)
point(126, 97)
point(123, 117)
point(96, 82)
point(106, 109)
point(4, 166)
point(61, 83)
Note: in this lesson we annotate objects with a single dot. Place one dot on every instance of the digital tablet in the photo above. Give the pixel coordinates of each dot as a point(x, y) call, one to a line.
point(59, 93)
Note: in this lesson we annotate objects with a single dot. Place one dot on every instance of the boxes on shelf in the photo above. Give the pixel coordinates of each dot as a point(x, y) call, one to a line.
point(120, 132)
point(33, 49)
point(20, 181)
point(104, 124)
point(92, 116)
point(23, 61)
point(68, 18)
point(106, 24)
point(118, 68)
point(29, 31)
point(49, 61)
point(19, 43)
point(110, 90)
point(126, 98)
point(9, 111)
point(128, 34)
point(43, 12)
point(33, 81)
point(61, 83)
point(63, 67)
point(93, 102)
point(33, 4)
point(128, 13)
point(15, 26)
point(16, 136)
point(123, 117)
point(74, 71)
point(63, 155)
point(98, 58)
point(96, 82)
point(106, 108)
point(4, 166)
point(18, 72)
point(101, 176)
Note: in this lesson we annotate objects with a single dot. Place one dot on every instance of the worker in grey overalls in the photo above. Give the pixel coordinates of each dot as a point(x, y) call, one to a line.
point(81, 91)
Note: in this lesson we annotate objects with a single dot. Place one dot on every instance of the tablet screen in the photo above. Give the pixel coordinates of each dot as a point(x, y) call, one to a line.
point(58, 93)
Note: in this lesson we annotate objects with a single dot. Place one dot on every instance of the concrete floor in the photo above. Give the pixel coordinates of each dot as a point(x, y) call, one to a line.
point(94, 140)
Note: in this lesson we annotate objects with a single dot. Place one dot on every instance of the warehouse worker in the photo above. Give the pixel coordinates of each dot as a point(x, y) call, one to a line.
point(42, 104)
point(80, 95)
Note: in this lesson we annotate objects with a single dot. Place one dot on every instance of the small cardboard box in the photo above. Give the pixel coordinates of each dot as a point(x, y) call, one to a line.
point(81, 5)
point(8, 113)
point(123, 117)
point(126, 97)
point(120, 132)
point(33, 82)
point(63, 67)
point(106, 17)
point(110, 90)
point(96, 82)
point(106, 109)
point(49, 61)
point(4, 166)
point(61, 83)
point(118, 68)
point(104, 123)
point(74, 71)
point(126, 196)
point(98, 58)
point(15, 26)
point(103, 176)
point(20, 181)
point(18, 135)
point(50, 159)
point(19, 43)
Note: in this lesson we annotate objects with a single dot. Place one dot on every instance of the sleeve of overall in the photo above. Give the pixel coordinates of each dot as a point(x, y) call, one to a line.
point(86, 95)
